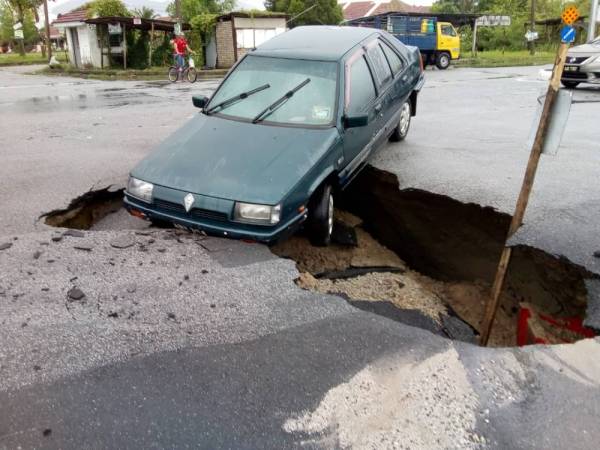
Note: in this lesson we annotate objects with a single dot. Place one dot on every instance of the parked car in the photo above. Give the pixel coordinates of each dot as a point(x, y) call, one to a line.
point(292, 123)
point(582, 64)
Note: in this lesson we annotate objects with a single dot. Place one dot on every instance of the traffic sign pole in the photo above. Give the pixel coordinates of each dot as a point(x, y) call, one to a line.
point(517, 218)
point(47, 25)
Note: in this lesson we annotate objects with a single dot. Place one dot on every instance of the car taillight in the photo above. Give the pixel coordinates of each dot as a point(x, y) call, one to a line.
point(421, 62)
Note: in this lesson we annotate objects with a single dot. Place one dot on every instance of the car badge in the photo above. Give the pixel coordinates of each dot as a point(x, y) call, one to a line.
point(188, 202)
point(571, 59)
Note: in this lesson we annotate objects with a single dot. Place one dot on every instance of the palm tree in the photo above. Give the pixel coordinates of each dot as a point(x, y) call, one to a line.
point(145, 13)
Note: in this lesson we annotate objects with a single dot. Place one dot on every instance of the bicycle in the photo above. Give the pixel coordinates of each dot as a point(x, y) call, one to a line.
point(188, 71)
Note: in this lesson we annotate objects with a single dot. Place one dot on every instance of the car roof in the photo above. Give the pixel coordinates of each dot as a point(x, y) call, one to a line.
point(325, 43)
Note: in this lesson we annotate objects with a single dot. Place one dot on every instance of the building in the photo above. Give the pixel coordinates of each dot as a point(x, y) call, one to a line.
point(239, 32)
point(81, 38)
point(357, 9)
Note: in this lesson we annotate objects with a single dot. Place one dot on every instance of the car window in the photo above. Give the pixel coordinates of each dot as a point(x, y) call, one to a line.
point(395, 62)
point(362, 89)
point(380, 65)
point(448, 30)
point(314, 104)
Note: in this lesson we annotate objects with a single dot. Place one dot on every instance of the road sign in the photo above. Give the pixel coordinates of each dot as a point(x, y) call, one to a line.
point(493, 21)
point(531, 35)
point(17, 26)
point(177, 28)
point(570, 14)
point(19, 34)
point(557, 123)
point(137, 20)
point(567, 34)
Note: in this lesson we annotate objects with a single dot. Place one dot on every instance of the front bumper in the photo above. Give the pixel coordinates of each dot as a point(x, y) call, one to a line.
point(581, 74)
point(265, 234)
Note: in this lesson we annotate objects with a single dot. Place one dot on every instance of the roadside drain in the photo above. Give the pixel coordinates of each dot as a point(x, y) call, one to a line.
point(420, 258)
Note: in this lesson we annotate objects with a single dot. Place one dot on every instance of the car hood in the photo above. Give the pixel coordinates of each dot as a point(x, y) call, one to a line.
point(235, 160)
point(585, 48)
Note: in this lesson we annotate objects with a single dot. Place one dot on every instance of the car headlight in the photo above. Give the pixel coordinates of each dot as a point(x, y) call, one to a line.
point(258, 214)
point(140, 189)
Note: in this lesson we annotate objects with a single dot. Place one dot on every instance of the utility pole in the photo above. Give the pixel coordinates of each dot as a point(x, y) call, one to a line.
point(178, 10)
point(532, 27)
point(593, 17)
point(47, 26)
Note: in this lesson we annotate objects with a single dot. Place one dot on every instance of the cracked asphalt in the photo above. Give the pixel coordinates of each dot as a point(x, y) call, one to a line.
point(181, 341)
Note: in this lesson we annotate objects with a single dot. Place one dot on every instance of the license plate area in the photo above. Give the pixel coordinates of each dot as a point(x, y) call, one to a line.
point(571, 68)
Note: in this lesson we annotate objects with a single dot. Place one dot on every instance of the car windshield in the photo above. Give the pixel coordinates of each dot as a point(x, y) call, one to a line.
point(313, 105)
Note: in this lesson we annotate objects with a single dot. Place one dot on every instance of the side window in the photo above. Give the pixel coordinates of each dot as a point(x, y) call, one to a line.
point(380, 64)
point(395, 62)
point(362, 90)
point(448, 30)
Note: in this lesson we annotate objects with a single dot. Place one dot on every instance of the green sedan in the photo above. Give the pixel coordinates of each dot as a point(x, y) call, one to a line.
point(292, 123)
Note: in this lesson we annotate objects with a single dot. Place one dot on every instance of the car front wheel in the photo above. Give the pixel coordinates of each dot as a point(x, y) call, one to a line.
point(321, 217)
point(569, 84)
point(401, 129)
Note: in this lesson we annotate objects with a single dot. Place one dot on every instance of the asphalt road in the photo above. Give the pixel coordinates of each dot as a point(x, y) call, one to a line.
point(182, 342)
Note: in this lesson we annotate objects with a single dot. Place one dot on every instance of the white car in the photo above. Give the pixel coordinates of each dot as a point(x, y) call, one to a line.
point(582, 65)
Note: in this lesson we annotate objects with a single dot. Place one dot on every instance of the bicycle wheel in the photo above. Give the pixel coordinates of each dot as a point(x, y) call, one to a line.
point(173, 74)
point(192, 75)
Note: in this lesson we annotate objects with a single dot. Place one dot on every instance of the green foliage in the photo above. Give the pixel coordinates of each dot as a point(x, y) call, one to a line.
point(162, 55)
point(144, 12)
point(104, 8)
point(326, 12)
point(7, 21)
point(193, 8)
point(203, 27)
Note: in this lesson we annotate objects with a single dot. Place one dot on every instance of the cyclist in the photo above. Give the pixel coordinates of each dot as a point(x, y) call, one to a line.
point(180, 46)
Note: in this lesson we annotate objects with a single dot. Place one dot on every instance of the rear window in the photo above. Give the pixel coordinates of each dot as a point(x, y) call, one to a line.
point(395, 62)
point(380, 64)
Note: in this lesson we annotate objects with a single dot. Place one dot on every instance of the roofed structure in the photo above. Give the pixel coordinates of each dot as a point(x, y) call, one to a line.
point(357, 9)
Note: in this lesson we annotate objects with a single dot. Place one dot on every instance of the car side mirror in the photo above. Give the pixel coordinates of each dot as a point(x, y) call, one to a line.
point(356, 121)
point(199, 101)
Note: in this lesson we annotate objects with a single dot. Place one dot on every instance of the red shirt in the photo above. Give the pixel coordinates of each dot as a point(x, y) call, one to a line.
point(180, 45)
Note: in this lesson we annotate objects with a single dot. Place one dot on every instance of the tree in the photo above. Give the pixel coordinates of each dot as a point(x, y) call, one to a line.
point(7, 21)
point(103, 8)
point(323, 12)
point(193, 8)
point(144, 12)
point(21, 8)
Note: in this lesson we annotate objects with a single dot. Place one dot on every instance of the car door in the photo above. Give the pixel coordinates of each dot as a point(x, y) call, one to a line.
point(387, 103)
point(359, 99)
point(402, 81)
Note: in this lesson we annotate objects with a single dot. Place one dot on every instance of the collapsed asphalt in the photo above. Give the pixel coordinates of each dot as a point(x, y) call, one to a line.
point(239, 356)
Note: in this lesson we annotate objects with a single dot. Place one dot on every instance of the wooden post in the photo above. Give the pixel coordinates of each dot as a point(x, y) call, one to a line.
point(517, 219)
point(474, 47)
point(47, 25)
point(124, 46)
point(150, 45)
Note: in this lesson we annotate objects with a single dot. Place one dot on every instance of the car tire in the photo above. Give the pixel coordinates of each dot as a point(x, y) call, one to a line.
point(442, 60)
point(321, 217)
point(403, 126)
point(569, 84)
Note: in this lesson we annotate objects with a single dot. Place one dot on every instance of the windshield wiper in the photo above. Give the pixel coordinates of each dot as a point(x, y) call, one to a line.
point(230, 101)
point(278, 103)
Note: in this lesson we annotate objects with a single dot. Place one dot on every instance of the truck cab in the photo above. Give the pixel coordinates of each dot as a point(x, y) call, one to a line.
point(448, 42)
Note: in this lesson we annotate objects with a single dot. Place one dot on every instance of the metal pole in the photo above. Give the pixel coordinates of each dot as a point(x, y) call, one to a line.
point(593, 18)
point(517, 219)
point(178, 10)
point(47, 25)
point(532, 27)
point(474, 47)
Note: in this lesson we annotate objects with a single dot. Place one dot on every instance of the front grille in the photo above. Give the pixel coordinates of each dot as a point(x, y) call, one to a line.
point(575, 75)
point(576, 59)
point(195, 213)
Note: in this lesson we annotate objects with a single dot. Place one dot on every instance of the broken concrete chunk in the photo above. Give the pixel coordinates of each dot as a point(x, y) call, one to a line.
point(85, 247)
point(56, 238)
point(123, 242)
point(74, 233)
point(75, 294)
point(5, 246)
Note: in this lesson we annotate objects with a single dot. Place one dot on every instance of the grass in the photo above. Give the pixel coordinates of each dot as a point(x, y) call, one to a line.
point(152, 73)
point(14, 59)
point(498, 58)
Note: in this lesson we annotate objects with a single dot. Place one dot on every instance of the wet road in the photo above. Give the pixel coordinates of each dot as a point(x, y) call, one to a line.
point(63, 136)
point(180, 342)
